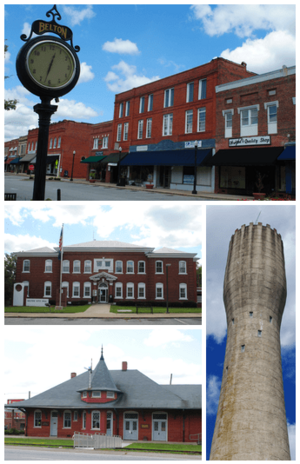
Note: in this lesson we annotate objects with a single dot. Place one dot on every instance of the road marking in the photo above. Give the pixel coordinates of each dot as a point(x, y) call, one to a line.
point(182, 322)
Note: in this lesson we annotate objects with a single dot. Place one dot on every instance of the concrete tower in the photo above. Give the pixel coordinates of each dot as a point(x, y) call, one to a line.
point(251, 420)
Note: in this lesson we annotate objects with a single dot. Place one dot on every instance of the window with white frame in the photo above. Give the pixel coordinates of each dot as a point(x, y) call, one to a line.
point(249, 120)
point(141, 267)
point(125, 133)
point(141, 290)
point(158, 267)
point(201, 119)
point(66, 266)
point(37, 418)
point(189, 121)
point(127, 108)
point(54, 144)
point(129, 290)
point(48, 265)
point(142, 105)
point(228, 123)
point(110, 394)
point(140, 129)
point(119, 267)
point(26, 265)
point(119, 133)
point(169, 98)
point(202, 89)
point(130, 267)
point(76, 290)
point(149, 128)
point(182, 291)
point(119, 290)
point(76, 267)
point(48, 289)
point(159, 291)
point(59, 142)
point(271, 108)
point(88, 266)
point(66, 285)
point(182, 267)
point(190, 92)
point(150, 102)
point(96, 394)
point(96, 144)
point(121, 107)
point(84, 420)
point(67, 419)
point(167, 124)
point(95, 420)
point(104, 142)
point(50, 146)
point(75, 416)
point(84, 394)
point(101, 264)
point(87, 290)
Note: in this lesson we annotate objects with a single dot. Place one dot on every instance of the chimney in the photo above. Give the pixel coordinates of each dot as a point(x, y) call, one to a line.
point(124, 366)
point(171, 379)
point(73, 374)
point(29, 395)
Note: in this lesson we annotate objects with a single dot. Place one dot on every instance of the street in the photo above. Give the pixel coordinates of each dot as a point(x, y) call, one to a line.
point(100, 321)
point(73, 191)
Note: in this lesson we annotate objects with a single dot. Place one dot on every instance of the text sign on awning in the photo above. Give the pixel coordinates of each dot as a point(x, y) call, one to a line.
point(244, 141)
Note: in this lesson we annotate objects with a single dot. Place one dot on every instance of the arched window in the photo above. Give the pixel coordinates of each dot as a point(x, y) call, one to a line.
point(141, 267)
point(159, 267)
point(182, 291)
point(130, 290)
point(48, 289)
point(87, 266)
point(95, 420)
point(182, 267)
point(48, 265)
point(76, 267)
point(87, 289)
point(119, 267)
point(141, 290)
point(76, 290)
point(67, 419)
point(130, 267)
point(119, 290)
point(159, 291)
point(26, 265)
point(66, 266)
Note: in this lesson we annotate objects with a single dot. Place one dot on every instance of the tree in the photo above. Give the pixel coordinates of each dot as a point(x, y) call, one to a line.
point(10, 264)
point(199, 276)
point(9, 104)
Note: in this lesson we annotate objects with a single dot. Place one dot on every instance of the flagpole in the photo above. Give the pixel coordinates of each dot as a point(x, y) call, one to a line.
point(61, 262)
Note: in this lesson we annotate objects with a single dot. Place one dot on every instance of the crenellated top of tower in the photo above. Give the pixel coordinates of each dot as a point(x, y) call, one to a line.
point(259, 226)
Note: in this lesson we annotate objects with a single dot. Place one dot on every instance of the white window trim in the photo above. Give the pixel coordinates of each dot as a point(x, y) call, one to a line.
point(141, 285)
point(129, 285)
point(129, 261)
point(203, 109)
point(76, 261)
point(75, 420)
point(83, 425)
point(188, 86)
point(46, 284)
point(159, 285)
point(65, 261)
point(84, 394)
point(96, 143)
point(119, 272)
point(249, 129)
point(185, 272)
point(96, 396)
point(92, 413)
point(167, 104)
point(119, 132)
point(149, 128)
point(87, 261)
point(119, 285)
point(140, 129)
point(37, 426)
point(228, 130)
point(272, 125)
point(25, 261)
point(104, 142)
point(67, 412)
point(87, 285)
point(74, 285)
point(162, 267)
point(169, 118)
point(186, 123)
point(200, 89)
point(125, 131)
point(110, 394)
point(183, 285)
point(144, 267)
point(48, 261)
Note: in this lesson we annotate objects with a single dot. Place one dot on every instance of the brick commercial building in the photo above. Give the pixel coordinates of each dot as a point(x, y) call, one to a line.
point(116, 402)
point(106, 272)
point(14, 151)
point(256, 134)
point(14, 418)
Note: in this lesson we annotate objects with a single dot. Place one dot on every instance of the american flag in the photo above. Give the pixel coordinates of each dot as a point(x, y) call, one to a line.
point(60, 244)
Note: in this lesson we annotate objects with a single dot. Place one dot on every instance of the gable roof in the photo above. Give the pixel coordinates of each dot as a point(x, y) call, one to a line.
point(42, 251)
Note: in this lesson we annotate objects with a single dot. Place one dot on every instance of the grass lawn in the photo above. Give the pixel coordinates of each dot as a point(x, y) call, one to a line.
point(38, 441)
point(156, 310)
point(165, 447)
point(36, 309)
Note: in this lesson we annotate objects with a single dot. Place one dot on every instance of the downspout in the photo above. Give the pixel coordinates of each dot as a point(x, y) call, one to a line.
point(183, 426)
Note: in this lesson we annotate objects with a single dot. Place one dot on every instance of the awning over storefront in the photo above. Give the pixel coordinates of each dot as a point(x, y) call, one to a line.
point(113, 158)
point(15, 161)
point(288, 154)
point(27, 158)
point(93, 159)
point(246, 157)
point(184, 157)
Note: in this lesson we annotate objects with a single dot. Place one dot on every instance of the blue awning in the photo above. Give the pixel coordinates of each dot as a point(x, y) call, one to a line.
point(185, 157)
point(289, 153)
point(15, 161)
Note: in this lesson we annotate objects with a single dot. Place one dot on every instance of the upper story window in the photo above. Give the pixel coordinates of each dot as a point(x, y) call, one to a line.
point(88, 266)
point(201, 119)
point(48, 265)
point(26, 265)
point(167, 124)
point(96, 394)
point(125, 133)
point(149, 128)
point(189, 121)
point(96, 143)
point(190, 92)
point(110, 394)
point(127, 108)
point(228, 123)
point(130, 267)
point(59, 142)
point(76, 266)
point(142, 105)
point(169, 98)
point(182, 267)
point(249, 120)
point(141, 267)
point(202, 89)
point(140, 129)
point(121, 108)
point(119, 267)
point(54, 144)
point(271, 108)
point(106, 264)
point(158, 267)
point(150, 102)
point(119, 133)
point(66, 266)
point(104, 142)
point(51, 141)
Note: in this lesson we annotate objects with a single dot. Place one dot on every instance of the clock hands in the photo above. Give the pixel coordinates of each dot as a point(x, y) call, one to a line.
point(50, 66)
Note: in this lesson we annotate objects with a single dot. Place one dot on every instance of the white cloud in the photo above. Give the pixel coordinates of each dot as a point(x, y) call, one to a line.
point(121, 46)
point(156, 338)
point(14, 243)
point(70, 109)
point(213, 394)
point(77, 16)
point(86, 73)
point(126, 78)
point(292, 440)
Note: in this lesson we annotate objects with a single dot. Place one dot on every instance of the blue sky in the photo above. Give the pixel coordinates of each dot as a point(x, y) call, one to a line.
point(221, 223)
point(146, 224)
point(125, 46)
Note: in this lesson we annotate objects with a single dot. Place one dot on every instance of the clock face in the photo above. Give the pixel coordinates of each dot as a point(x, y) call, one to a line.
point(50, 65)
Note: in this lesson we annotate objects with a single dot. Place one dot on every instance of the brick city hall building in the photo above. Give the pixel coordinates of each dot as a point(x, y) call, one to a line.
point(105, 272)
point(116, 402)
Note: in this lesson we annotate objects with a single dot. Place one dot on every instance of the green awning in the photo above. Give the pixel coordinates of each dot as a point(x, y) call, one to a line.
point(93, 159)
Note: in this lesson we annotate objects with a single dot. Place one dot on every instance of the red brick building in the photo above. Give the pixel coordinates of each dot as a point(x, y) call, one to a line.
point(157, 124)
point(14, 418)
point(116, 402)
point(14, 150)
point(256, 134)
point(106, 272)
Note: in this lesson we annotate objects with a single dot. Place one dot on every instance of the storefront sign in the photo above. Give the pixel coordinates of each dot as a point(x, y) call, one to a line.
point(37, 302)
point(145, 426)
point(191, 144)
point(244, 141)
point(142, 148)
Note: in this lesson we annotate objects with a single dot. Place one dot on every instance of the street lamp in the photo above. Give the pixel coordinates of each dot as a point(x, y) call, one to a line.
point(74, 152)
point(120, 151)
point(195, 168)
point(167, 272)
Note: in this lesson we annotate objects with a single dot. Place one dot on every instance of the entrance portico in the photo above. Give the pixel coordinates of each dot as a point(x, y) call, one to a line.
point(104, 282)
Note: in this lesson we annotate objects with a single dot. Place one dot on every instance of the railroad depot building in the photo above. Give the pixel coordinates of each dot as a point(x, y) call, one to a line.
point(105, 272)
point(116, 402)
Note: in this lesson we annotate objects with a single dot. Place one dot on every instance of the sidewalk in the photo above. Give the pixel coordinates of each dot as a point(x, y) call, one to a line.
point(99, 311)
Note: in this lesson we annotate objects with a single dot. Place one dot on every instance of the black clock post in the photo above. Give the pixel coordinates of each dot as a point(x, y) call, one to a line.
point(48, 67)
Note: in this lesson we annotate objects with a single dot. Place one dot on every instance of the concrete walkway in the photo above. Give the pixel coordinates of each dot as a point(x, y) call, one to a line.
point(99, 311)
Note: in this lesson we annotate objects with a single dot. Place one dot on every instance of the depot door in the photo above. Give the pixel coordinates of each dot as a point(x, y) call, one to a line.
point(159, 427)
point(53, 425)
point(130, 426)
point(109, 424)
